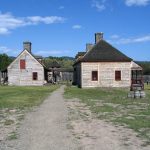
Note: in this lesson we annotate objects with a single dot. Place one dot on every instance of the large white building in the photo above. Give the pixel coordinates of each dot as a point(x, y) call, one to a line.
point(102, 65)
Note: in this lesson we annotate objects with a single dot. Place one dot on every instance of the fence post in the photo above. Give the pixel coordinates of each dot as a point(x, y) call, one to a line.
point(0, 76)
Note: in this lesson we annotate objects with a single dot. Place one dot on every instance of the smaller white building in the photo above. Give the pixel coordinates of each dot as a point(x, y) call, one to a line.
point(26, 70)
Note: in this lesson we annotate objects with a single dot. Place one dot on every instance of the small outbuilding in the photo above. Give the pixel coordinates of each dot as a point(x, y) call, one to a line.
point(26, 69)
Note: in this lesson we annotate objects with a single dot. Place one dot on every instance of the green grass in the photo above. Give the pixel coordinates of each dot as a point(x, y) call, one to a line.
point(113, 105)
point(12, 136)
point(22, 97)
point(104, 108)
point(16, 100)
point(8, 122)
point(147, 87)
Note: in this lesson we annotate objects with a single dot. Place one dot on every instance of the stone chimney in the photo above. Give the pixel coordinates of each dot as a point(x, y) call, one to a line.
point(89, 46)
point(98, 37)
point(27, 46)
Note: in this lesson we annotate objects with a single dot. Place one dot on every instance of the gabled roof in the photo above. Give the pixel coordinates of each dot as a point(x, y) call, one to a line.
point(38, 57)
point(80, 54)
point(30, 55)
point(104, 52)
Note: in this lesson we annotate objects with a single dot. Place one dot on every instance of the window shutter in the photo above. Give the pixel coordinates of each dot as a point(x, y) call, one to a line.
point(22, 64)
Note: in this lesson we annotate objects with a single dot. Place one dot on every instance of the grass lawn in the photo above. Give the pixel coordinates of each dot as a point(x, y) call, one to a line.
point(23, 97)
point(113, 105)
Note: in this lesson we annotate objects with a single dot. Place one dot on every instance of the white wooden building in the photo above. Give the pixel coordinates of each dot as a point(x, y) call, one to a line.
point(102, 65)
point(26, 69)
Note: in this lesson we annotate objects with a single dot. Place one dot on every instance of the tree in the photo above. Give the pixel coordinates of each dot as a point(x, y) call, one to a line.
point(146, 67)
point(64, 62)
point(4, 61)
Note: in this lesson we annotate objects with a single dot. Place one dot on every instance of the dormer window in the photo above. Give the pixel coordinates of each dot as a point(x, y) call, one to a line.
point(22, 64)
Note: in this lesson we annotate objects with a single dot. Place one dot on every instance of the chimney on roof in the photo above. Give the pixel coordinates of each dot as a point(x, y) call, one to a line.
point(98, 37)
point(27, 46)
point(88, 46)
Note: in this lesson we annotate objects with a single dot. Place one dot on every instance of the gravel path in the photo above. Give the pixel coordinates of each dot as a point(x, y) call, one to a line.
point(61, 125)
point(97, 134)
point(46, 127)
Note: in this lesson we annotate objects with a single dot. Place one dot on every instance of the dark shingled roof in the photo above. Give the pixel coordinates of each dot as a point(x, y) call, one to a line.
point(104, 52)
point(38, 57)
point(80, 54)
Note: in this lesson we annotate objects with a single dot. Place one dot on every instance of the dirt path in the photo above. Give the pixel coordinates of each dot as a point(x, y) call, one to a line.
point(96, 134)
point(45, 128)
point(60, 124)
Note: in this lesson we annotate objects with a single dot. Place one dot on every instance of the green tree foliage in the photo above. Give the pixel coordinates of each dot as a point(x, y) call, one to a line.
point(64, 62)
point(146, 66)
point(4, 61)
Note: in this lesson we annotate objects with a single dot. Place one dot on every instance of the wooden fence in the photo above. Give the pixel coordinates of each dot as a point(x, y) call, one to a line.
point(0, 76)
point(3, 77)
point(146, 78)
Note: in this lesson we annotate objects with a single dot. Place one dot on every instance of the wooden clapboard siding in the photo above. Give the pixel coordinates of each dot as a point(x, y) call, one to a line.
point(17, 76)
point(106, 74)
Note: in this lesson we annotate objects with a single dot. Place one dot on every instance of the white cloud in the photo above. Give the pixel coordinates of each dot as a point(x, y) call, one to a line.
point(77, 26)
point(137, 2)
point(99, 5)
point(4, 49)
point(4, 30)
point(141, 39)
point(61, 7)
point(46, 20)
point(51, 52)
point(115, 36)
point(9, 22)
point(48, 52)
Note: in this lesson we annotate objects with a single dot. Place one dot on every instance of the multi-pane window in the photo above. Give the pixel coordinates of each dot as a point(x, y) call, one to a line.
point(22, 64)
point(118, 75)
point(35, 76)
point(94, 75)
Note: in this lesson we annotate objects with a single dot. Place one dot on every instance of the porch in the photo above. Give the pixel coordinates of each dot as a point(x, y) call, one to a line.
point(137, 83)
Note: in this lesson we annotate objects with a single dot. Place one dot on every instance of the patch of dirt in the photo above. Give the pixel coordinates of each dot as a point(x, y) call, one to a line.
point(50, 126)
point(96, 134)
point(9, 121)
point(45, 127)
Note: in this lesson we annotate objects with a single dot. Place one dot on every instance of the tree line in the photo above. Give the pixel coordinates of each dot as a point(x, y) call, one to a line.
point(145, 65)
point(63, 62)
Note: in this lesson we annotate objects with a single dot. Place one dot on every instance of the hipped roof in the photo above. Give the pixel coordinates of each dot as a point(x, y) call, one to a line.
point(104, 52)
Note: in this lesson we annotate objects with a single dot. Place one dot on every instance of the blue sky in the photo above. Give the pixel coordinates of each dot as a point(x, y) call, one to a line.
point(63, 27)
